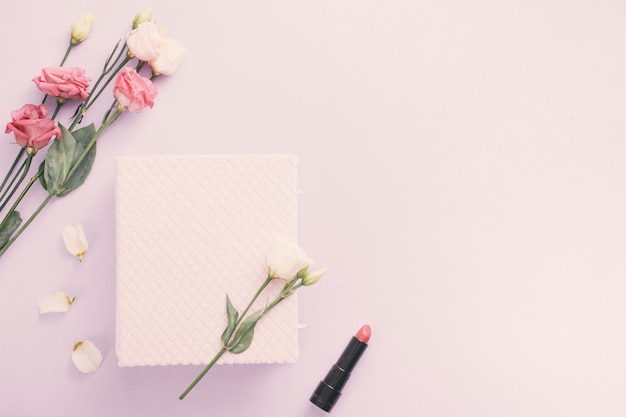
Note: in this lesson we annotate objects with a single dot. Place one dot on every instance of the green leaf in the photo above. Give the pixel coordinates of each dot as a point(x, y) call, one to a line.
point(233, 315)
point(59, 161)
point(245, 333)
point(10, 225)
point(82, 137)
point(61, 158)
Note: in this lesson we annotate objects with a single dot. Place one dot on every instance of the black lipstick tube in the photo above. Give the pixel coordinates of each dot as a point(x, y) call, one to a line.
point(329, 389)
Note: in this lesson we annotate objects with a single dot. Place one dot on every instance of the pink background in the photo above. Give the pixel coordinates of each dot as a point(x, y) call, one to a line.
point(463, 170)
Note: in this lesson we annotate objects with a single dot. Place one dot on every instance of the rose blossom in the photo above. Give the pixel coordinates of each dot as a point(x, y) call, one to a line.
point(132, 91)
point(31, 128)
point(67, 83)
point(143, 42)
point(285, 259)
point(170, 55)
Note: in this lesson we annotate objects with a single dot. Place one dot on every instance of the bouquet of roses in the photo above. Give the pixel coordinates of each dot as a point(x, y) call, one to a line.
point(72, 150)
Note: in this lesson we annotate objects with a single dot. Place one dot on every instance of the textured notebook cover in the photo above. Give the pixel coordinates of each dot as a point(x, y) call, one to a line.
point(191, 229)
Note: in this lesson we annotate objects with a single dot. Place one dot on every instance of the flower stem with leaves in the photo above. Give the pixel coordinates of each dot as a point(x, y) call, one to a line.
point(65, 168)
point(237, 336)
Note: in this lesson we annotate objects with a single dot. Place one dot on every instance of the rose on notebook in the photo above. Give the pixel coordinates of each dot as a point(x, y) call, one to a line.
point(285, 261)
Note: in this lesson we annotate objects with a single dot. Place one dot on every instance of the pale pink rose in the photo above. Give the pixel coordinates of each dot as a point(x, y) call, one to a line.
point(143, 42)
point(132, 91)
point(67, 83)
point(31, 127)
point(170, 55)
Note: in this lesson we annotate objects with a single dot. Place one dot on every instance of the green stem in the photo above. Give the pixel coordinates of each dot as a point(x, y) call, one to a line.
point(82, 109)
point(224, 349)
point(108, 112)
point(67, 53)
point(203, 373)
point(108, 66)
point(17, 159)
point(21, 173)
point(259, 291)
point(19, 199)
point(92, 142)
point(289, 289)
point(57, 108)
point(286, 292)
point(28, 222)
point(107, 82)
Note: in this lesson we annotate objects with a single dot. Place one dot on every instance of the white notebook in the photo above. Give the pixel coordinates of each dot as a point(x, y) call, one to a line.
point(189, 231)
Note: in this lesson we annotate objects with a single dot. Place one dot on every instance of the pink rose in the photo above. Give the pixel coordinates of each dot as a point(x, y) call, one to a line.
point(132, 91)
point(67, 83)
point(31, 127)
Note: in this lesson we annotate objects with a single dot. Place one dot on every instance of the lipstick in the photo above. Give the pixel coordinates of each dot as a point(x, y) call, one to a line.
point(329, 389)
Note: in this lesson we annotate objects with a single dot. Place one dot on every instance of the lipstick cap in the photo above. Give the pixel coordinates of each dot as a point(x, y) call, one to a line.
point(325, 397)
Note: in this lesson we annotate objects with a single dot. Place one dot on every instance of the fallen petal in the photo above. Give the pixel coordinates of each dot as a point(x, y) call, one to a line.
point(57, 302)
point(86, 356)
point(75, 240)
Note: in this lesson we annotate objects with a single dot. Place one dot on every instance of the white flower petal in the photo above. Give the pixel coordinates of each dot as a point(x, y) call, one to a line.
point(86, 356)
point(75, 240)
point(285, 259)
point(57, 302)
point(170, 55)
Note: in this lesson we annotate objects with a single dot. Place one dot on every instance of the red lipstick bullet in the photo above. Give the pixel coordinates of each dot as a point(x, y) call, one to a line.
point(329, 389)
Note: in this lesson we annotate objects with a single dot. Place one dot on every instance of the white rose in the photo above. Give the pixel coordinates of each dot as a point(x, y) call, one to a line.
point(170, 55)
point(144, 41)
point(285, 259)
